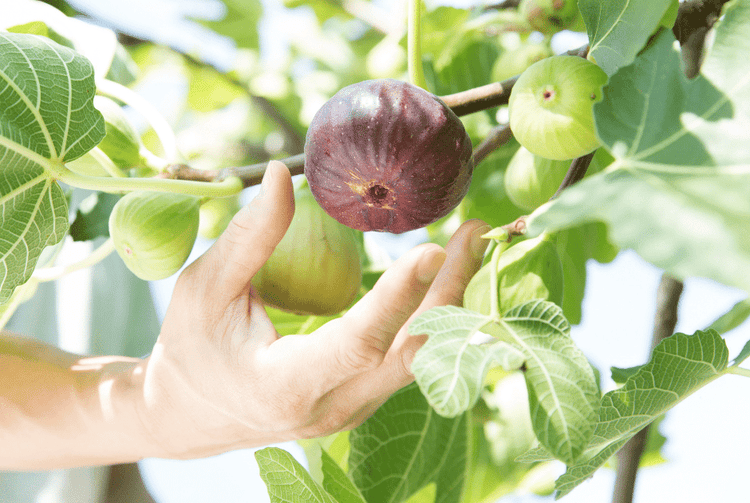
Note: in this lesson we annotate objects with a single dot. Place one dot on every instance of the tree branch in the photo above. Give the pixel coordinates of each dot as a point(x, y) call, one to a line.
point(499, 136)
point(629, 457)
point(577, 170)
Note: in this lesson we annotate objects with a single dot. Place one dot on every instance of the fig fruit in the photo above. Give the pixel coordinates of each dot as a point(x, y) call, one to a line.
point(551, 107)
point(154, 232)
point(526, 271)
point(121, 143)
point(549, 16)
point(215, 215)
point(530, 180)
point(315, 269)
point(385, 155)
point(514, 62)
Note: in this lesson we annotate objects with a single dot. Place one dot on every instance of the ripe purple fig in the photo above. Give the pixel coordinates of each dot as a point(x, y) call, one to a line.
point(385, 155)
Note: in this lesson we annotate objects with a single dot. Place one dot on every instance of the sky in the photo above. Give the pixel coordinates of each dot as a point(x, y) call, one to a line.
point(707, 444)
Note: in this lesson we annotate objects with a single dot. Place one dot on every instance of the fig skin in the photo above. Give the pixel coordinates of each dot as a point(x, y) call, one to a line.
point(531, 180)
point(154, 232)
point(550, 16)
point(384, 155)
point(315, 269)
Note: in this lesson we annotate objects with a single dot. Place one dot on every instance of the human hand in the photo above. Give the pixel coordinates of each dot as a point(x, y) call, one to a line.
point(220, 376)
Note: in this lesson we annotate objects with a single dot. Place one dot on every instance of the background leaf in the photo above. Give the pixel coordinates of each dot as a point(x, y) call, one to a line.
point(618, 29)
point(287, 480)
point(406, 445)
point(679, 366)
point(679, 192)
point(336, 482)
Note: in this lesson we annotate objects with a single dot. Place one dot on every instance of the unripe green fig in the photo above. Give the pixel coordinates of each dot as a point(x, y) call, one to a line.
point(215, 215)
point(515, 62)
point(549, 16)
point(551, 107)
point(315, 269)
point(154, 232)
point(526, 271)
point(530, 180)
point(121, 142)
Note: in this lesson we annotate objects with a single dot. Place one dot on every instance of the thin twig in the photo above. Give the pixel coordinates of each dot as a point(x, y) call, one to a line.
point(480, 98)
point(577, 170)
point(505, 4)
point(499, 136)
point(629, 457)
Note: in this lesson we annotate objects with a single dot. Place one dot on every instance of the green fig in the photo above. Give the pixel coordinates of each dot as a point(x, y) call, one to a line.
point(530, 180)
point(315, 269)
point(154, 232)
point(549, 16)
point(528, 270)
point(121, 143)
point(514, 62)
point(215, 215)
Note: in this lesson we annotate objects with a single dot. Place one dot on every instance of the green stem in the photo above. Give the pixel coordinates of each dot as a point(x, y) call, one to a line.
point(416, 71)
point(106, 163)
point(160, 126)
point(152, 160)
point(57, 272)
point(494, 289)
point(738, 371)
point(227, 187)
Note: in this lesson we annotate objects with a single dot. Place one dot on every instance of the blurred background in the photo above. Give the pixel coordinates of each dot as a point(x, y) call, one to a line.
point(239, 80)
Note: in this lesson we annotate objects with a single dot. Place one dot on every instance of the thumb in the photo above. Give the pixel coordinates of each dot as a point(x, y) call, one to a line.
point(250, 238)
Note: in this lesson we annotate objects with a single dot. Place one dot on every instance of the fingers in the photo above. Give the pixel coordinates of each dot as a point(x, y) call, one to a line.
point(226, 269)
point(360, 339)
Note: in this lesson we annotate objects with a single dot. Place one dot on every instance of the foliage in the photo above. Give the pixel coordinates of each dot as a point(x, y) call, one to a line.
point(668, 182)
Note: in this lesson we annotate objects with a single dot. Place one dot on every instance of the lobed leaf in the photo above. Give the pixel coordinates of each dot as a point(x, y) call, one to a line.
point(405, 446)
point(450, 369)
point(563, 394)
point(679, 366)
point(47, 118)
point(679, 191)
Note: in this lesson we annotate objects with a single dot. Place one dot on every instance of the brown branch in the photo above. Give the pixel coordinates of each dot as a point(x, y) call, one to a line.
point(629, 457)
point(499, 136)
point(505, 4)
point(480, 98)
point(576, 172)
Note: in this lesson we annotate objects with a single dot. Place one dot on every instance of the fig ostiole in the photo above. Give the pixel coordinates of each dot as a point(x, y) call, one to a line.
point(531, 180)
point(384, 155)
point(529, 270)
point(316, 268)
point(549, 16)
point(551, 107)
point(154, 232)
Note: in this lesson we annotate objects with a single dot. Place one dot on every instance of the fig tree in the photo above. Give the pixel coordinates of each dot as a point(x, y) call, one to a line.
point(154, 232)
point(530, 180)
point(526, 271)
point(549, 16)
point(551, 107)
point(315, 269)
point(384, 155)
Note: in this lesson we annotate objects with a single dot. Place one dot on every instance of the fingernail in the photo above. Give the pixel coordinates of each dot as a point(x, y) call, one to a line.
point(478, 243)
point(430, 265)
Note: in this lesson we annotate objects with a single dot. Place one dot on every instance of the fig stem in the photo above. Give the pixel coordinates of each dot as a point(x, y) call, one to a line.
point(106, 163)
point(494, 290)
point(56, 272)
point(734, 369)
point(154, 118)
point(226, 187)
point(416, 70)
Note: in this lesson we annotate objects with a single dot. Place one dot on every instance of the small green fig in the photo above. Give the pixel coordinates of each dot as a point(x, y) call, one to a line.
point(215, 215)
point(154, 232)
point(530, 180)
point(315, 269)
point(551, 107)
point(526, 271)
point(549, 16)
point(514, 62)
point(121, 142)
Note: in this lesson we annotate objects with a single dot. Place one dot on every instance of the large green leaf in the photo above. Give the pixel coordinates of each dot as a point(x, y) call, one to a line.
point(405, 446)
point(450, 369)
point(618, 29)
point(336, 482)
point(679, 366)
point(287, 480)
point(47, 117)
point(679, 190)
point(563, 394)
